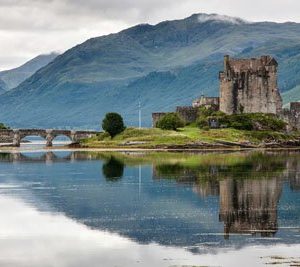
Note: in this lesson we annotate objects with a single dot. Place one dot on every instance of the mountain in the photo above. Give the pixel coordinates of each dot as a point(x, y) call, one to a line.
point(161, 65)
point(12, 78)
point(3, 87)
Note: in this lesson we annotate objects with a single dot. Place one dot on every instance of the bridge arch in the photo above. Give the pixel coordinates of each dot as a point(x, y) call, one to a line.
point(32, 137)
point(49, 135)
point(68, 137)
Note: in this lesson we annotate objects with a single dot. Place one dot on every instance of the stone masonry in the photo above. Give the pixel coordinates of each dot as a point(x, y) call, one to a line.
point(208, 102)
point(187, 114)
point(16, 135)
point(292, 116)
point(249, 86)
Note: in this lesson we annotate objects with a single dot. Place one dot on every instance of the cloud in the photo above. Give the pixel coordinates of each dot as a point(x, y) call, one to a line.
point(31, 27)
point(220, 18)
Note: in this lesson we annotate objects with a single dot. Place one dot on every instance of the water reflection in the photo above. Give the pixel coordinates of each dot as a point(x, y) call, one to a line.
point(249, 206)
point(113, 169)
point(33, 238)
point(203, 202)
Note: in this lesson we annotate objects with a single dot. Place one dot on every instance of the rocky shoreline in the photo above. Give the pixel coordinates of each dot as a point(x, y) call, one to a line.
point(220, 144)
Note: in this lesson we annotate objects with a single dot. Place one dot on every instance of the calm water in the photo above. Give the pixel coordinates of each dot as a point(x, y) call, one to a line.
point(141, 209)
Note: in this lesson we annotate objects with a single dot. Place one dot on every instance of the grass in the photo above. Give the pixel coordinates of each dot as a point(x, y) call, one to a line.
point(148, 137)
point(157, 138)
point(213, 135)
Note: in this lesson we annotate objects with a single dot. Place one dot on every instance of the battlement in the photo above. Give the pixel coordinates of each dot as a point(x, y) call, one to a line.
point(249, 65)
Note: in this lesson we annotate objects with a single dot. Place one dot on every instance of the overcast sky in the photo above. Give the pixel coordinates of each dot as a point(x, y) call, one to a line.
point(32, 27)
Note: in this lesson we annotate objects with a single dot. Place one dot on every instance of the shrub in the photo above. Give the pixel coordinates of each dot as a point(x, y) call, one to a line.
point(240, 121)
point(256, 121)
point(3, 127)
point(268, 122)
point(247, 121)
point(205, 112)
point(202, 122)
point(113, 124)
point(170, 121)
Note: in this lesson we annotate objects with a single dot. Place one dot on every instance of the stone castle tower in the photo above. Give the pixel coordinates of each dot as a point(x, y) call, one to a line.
point(250, 86)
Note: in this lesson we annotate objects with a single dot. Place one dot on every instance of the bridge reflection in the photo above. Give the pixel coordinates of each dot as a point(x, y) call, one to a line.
point(45, 157)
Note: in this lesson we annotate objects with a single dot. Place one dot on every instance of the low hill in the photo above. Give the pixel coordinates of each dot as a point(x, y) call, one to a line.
point(292, 95)
point(12, 78)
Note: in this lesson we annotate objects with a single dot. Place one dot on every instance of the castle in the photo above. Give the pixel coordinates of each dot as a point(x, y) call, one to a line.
point(246, 86)
point(249, 86)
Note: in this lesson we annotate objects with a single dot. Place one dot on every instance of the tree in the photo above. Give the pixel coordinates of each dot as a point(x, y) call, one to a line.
point(113, 124)
point(170, 121)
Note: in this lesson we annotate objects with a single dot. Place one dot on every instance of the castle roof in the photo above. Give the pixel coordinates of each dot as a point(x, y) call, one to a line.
point(253, 64)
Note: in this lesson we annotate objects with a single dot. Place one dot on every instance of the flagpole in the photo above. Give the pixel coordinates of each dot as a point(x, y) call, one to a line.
point(140, 116)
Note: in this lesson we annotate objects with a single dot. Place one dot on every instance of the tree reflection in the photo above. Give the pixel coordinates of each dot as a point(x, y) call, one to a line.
point(113, 169)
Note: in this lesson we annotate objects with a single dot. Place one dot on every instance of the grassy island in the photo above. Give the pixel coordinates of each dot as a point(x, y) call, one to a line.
point(192, 137)
point(238, 130)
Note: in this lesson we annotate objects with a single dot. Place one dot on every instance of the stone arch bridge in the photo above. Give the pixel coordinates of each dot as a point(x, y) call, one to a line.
point(17, 135)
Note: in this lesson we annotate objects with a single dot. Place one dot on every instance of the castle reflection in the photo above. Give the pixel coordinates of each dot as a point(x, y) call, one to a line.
point(249, 191)
point(249, 206)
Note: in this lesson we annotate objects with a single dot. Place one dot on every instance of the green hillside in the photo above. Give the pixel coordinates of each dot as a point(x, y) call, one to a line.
point(292, 95)
point(162, 66)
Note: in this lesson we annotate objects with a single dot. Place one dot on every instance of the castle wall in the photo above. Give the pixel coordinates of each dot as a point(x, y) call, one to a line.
point(295, 115)
point(292, 116)
point(156, 117)
point(187, 114)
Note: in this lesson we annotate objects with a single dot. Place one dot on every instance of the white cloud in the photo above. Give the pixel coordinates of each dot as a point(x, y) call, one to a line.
point(220, 18)
point(30, 237)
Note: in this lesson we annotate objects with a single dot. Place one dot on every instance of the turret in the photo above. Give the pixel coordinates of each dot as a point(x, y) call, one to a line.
point(226, 64)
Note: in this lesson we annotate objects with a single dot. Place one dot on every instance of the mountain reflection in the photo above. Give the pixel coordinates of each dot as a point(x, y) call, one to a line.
point(172, 199)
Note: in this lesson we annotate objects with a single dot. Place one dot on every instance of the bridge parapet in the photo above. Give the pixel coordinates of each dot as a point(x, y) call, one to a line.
point(49, 134)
